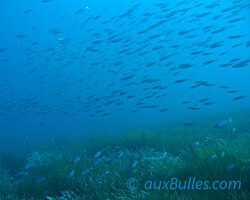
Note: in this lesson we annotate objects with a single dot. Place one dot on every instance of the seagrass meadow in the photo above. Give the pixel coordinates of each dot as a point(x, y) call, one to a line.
point(124, 99)
point(45, 171)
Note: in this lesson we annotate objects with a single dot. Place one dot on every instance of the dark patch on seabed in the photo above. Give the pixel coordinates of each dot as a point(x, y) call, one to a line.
point(118, 99)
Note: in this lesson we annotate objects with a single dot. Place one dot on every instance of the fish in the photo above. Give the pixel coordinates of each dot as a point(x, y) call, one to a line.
point(119, 155)
point(70, 174)
point(194, 145)
point(40, 180)
point(203, 100)
point(180, 80)
point(235, 36)
point(231, 167)
point(27, 11)
point(86, 171)
point(130, 171)
point(235, 20)
point(118, 70)
point(193, 108)
point(164, 109)
point(98, 154)
point(225, 87)
point(241, 64)
point(209, 103)
point(209, 62)
point(79, 11)
point(97, 161)
point(134, 163)
point(185, 66)
point(21, 36)
point(239, 98)
point(76, 159)
point(234, 130)
point(19, 175)
point(28, 165)
point(232, 91)
point(223, 123)
point(209, 159)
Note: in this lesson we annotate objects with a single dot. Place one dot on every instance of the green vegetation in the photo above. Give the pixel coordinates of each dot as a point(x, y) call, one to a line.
point(168, 152)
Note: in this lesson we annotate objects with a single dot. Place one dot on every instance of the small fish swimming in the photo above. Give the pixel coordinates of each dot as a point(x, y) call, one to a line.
point(231, 167)
point(223, 123)
point(19, 175)
point(194, 145)
point(213, 157)
point(135, 163)
point(98, 160)
point(234, 130)
point(28, 165)
point(98, 154)
point(77, 159)
point(238, 98)
point(119, 155)
point(70, 174)
point(40, 180)
point(130, 171)
point(86, 171)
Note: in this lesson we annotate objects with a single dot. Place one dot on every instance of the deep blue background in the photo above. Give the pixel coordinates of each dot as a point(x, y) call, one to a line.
point(44, 85)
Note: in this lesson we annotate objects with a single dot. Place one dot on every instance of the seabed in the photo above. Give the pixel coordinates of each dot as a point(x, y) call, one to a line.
point(100, 166)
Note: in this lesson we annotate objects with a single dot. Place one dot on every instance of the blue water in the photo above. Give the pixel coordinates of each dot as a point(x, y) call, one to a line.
point(64, 64)
point(94, 94)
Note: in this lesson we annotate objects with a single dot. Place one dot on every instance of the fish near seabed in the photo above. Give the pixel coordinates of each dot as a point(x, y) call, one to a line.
point(223, 123)
point(70, 174)
point(76, 159)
